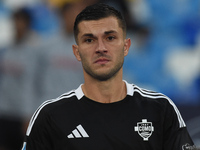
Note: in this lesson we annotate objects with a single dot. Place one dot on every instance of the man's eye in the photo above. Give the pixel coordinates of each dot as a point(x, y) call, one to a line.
point(110, 38)
point(88, 40)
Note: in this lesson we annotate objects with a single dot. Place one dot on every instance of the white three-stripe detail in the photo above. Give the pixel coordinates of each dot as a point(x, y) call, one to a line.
point(78, 133)
point(151, 95)
point(35, 115)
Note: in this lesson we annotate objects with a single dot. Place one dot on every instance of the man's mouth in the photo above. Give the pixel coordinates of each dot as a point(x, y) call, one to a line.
point(101, 61)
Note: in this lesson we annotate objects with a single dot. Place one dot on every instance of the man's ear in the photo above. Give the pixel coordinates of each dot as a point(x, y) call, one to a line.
point(76, 52)
point(127, 45)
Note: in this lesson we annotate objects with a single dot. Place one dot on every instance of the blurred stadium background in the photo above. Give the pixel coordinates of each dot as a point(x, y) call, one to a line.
point(165, 51)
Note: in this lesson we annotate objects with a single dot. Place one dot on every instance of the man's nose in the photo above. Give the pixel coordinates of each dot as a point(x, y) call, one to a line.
point(101, 47)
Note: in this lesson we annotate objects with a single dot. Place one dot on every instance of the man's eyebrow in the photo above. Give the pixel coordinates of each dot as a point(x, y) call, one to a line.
point(92, 35)
point(88, 34)
point(109, 32)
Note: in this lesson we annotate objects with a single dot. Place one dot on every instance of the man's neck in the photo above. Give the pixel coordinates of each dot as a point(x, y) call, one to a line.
point(109, 91)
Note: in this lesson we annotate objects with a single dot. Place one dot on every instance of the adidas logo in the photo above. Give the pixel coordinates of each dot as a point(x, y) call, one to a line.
point(79, 132)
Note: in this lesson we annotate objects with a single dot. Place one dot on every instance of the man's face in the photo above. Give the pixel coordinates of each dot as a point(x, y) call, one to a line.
point(101, 48)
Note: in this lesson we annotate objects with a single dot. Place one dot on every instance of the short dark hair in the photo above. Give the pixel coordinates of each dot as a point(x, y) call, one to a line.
point(96, 12)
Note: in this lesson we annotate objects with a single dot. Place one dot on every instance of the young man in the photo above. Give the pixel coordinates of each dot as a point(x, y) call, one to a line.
point(106, 112)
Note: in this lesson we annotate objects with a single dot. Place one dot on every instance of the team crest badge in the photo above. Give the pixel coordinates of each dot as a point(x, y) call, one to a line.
point(188, 147)
point(144, 129)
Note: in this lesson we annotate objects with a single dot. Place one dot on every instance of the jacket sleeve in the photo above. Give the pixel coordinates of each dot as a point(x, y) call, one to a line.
point(176, 136)
point(40, 132)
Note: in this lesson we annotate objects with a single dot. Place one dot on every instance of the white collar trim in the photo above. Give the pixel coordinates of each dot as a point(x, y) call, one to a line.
point(129, 88)
point(79, 92)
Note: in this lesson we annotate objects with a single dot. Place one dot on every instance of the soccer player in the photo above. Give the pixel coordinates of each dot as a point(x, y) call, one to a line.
point(106, 112)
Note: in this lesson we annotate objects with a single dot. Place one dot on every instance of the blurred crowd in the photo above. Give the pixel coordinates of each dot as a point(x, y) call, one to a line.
point(37, 62)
